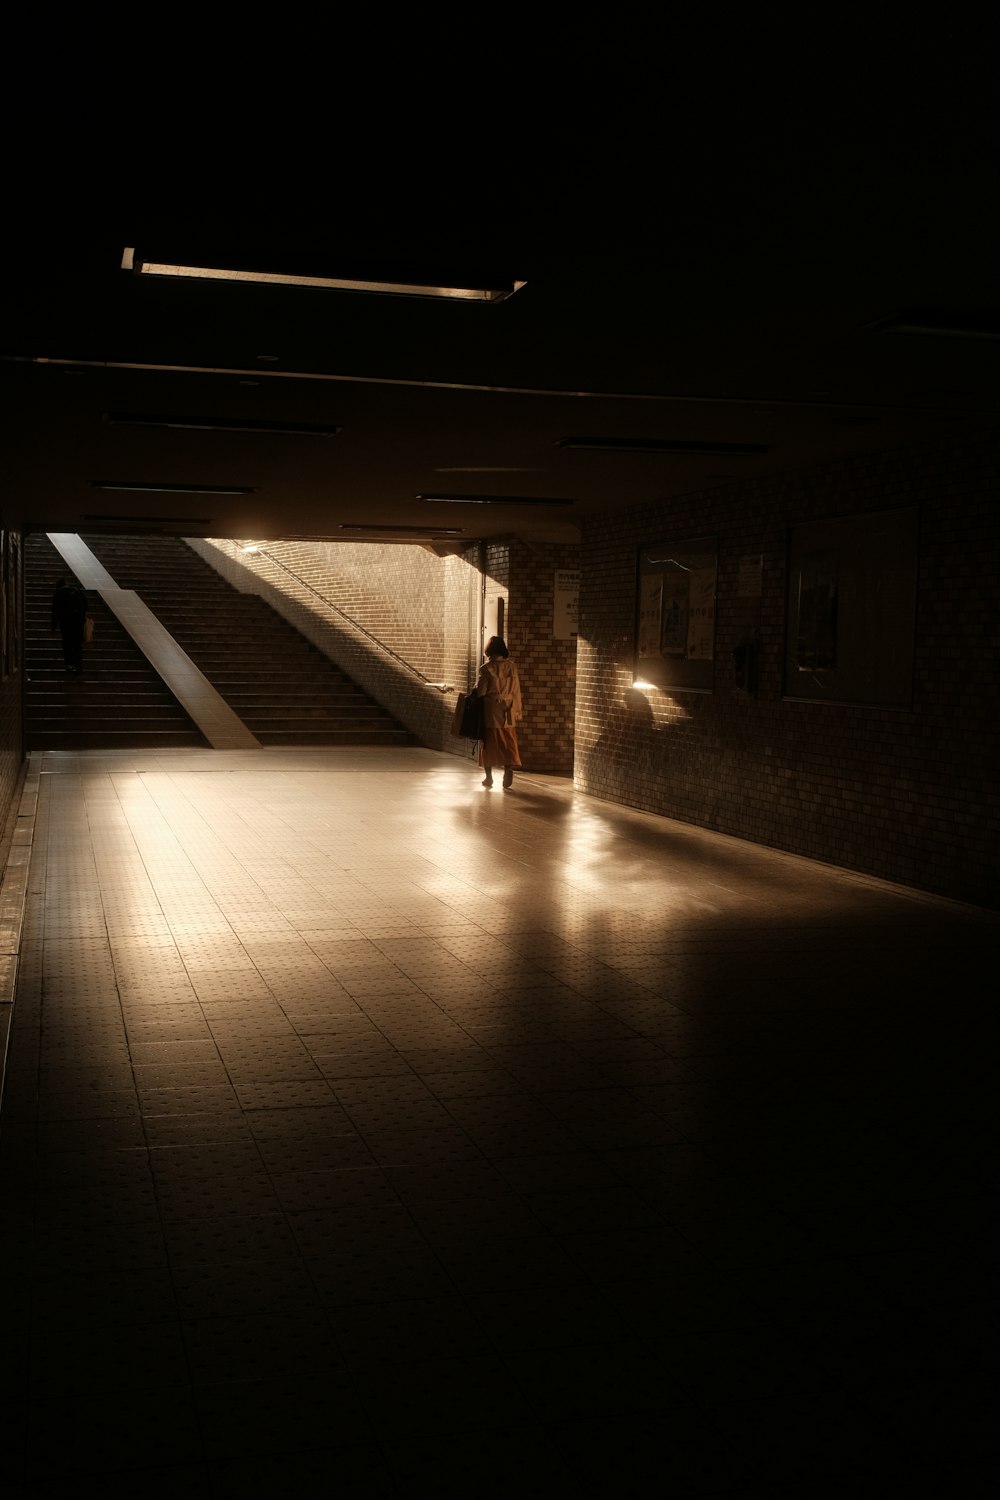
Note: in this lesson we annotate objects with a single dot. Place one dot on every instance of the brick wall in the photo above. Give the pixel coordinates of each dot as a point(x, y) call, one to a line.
point(425, 609)
point(11, 674)
point(908, 795)
point(354, 599)
point(546, 666)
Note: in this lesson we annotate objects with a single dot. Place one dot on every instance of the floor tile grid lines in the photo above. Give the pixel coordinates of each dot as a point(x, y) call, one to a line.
point(205, 854)
point(191, 915)
point(266, 835)
point(594, 1248)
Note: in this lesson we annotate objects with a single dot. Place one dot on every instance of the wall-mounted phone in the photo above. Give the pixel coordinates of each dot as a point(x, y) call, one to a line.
point(745, 668)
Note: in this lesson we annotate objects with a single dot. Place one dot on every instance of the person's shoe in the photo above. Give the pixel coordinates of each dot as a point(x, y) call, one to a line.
point(508, 778)
point(487, 781)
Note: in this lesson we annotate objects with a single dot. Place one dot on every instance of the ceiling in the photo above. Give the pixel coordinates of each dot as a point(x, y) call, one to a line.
point(743, 330)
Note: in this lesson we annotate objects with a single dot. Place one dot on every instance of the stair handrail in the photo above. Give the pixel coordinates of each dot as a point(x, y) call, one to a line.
point(255, 547)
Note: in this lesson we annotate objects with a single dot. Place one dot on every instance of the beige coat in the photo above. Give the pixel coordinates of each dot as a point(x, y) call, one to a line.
point(500, 689)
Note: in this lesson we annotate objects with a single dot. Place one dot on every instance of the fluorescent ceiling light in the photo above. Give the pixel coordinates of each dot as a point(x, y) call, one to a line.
point(491, 500)
point(131, 520)
point(496, 291)
point(941, 326)
point(159, 488)
point(222, 424)
point(662, 445)
point(405, 530)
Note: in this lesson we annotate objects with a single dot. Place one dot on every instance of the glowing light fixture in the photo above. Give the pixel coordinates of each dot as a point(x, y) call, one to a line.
point(687, 446)
point(495, 291)
point(401, 530)
point(222, 424)
point(937, 325)
point(159, 487)
point(440, 499)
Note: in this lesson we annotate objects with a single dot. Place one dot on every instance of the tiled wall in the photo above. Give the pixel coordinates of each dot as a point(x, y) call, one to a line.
point(547, 666)
point(341, 595)
point(11, 675)
point(426, 610)
point(909, 795)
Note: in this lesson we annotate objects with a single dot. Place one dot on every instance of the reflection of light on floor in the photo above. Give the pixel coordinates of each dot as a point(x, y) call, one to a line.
point(587, 1070)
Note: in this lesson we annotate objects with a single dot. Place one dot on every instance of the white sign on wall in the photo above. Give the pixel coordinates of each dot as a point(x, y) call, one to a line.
point(494, 617)
point(566, 611)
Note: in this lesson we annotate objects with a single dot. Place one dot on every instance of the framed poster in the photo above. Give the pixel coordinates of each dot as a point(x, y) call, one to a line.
point(851, 615)
point(816, 629)
point(676, 613)
point(676, 584)
point(14, 587)
point(4, 604)
point(650, 615)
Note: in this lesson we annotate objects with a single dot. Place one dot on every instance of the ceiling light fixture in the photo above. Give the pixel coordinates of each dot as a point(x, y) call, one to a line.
point(491, 500)
point(663, 445)
point(404, 530)
point(132, 520)
point(941, 326)
point(222, 424)
point(172, 489)
point(495, 291)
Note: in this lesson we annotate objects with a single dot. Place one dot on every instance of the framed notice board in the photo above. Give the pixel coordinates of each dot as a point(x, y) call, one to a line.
point(676, 584)
point(851, 615)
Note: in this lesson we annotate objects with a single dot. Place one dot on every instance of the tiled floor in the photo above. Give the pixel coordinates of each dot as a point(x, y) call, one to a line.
point(369, 1134)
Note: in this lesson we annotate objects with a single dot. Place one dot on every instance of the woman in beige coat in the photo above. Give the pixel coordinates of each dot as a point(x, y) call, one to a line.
point(500, 689)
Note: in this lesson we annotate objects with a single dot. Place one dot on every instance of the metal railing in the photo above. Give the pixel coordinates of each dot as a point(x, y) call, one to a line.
point(256, 548)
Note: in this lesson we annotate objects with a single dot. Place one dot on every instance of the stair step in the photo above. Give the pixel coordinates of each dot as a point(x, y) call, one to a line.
point(289, 724)
point(282, 687)
point(105, 739)
point(117, 700)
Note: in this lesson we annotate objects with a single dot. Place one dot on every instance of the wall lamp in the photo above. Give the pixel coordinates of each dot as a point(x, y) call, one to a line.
point(495, 291)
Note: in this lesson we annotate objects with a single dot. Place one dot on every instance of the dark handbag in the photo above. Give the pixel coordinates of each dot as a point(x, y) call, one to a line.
point(468, 720)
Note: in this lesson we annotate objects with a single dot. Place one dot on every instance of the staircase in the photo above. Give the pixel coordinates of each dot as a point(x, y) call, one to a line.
point(118, 701)
point(285, 691)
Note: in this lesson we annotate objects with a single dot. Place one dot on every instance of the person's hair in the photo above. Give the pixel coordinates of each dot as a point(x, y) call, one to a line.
point(496, 646)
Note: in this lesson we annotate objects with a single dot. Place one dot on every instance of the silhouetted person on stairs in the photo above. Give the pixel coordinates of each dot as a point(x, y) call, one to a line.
point(69, 614)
